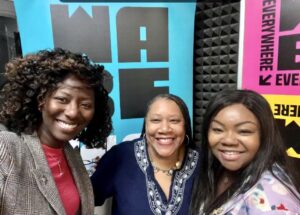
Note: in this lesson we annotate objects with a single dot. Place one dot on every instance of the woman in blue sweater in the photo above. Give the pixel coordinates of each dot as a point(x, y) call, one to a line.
point(153, 174)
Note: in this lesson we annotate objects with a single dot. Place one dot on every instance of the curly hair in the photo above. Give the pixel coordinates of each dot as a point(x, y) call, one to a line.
point(31, 78)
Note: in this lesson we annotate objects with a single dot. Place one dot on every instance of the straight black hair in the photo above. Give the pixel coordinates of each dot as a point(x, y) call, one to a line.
point(271, 151)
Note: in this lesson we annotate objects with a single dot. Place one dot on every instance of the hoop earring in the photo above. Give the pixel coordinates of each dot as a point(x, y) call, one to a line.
point(188, 140)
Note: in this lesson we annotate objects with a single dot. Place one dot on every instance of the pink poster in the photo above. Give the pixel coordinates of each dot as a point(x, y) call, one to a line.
point(271, 61)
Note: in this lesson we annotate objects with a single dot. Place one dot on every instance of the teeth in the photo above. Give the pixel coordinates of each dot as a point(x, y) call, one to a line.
point(231, 153)
point(165, 139)
point(66, 125)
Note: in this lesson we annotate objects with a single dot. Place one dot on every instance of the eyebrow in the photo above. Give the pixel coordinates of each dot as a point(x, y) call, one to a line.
point(65, 92)
point(69, 86)
point(239, 124)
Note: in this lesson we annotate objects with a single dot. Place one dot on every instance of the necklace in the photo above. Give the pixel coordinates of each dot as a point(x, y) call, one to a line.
point(226, 180)
point(58, 163)
point(168, 172)
point(54, 157)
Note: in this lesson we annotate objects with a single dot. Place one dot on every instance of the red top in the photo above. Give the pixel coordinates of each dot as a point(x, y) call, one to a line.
point(63, 179)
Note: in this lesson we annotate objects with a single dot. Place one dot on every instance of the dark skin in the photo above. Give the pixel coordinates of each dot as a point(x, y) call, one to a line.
point(66, 112)
point(31, 80)
point(227, 178)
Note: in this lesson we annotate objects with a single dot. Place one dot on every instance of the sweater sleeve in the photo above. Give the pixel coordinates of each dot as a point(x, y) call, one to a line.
point(103, 179)
point(6, 169)
point(270, 196)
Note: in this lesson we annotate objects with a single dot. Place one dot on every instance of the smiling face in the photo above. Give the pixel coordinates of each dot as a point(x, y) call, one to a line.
point(165, 129)
point(66, 112)
point(234, 136)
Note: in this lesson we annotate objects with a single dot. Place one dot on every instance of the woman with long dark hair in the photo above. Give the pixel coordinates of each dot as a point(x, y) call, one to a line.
point(244, 167)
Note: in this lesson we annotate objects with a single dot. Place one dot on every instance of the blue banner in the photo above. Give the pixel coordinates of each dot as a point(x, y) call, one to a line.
point(147, 48)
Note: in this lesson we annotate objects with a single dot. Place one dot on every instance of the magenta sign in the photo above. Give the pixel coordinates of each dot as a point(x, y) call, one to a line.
point(271, 58)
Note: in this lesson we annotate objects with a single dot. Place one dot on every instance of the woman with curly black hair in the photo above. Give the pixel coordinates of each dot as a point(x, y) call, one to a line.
point(50, 98)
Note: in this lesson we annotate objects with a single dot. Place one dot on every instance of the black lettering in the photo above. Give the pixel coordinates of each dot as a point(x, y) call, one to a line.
point(287, 52)
point(267, 48)
point(295, 79)
point(129, 23)
point(293, 110)
point(268, 22)
point(284, 110)
point(278, 80)
point(268, 16)
point(92, 37)
point(270, 29)
point(268, 39)
point(276, 109)
point(288, 79)
point(266, 61)
point(289, 15)
point(266, 55)
point(268, 2)
point(266, 64)
point(137, 88)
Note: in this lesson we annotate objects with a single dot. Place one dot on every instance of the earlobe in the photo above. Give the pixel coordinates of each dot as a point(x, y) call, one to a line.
point(40, 106)
point(41, 102)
